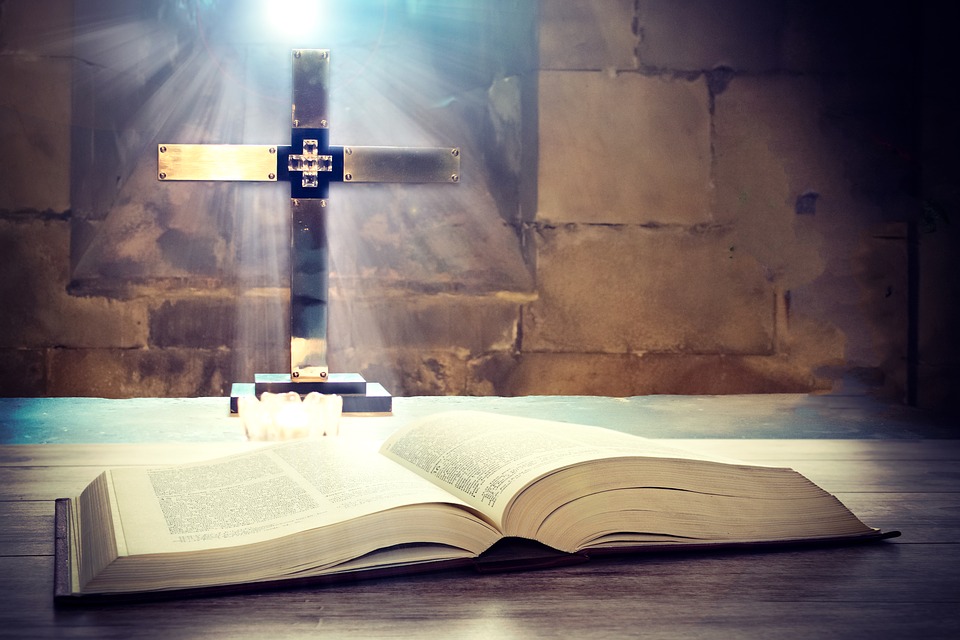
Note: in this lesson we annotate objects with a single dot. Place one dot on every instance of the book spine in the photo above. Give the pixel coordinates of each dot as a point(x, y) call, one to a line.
point(61, 549)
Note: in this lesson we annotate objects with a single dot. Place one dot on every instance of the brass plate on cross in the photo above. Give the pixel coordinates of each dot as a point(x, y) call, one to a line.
point(237, 162)
point(396, 164)
point(311, 73)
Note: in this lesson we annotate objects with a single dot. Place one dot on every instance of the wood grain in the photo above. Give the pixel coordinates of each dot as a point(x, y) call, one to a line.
point(25, 528)
point(907, 587)
point(850, 592)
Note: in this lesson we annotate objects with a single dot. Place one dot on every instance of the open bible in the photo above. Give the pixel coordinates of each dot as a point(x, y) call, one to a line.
point(445, 491)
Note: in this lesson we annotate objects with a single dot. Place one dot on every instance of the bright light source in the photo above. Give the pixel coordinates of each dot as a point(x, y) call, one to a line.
point(284, 416)
point(299, 22)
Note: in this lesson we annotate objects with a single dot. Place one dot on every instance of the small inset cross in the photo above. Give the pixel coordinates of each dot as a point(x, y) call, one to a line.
point(310, 164)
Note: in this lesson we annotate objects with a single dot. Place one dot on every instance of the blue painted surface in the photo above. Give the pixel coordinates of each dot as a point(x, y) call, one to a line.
point(137, 420)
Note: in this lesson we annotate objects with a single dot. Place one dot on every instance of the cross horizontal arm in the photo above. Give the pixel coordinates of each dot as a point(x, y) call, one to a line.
point(401, 164)
point(237, 162)
point(268, 163)
point(364, 164)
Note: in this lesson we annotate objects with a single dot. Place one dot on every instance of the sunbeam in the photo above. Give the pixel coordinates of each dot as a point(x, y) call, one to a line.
point(217, 72)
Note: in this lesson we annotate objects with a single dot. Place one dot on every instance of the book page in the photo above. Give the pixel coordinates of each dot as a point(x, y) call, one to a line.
point(486, 459)
point(264, 494)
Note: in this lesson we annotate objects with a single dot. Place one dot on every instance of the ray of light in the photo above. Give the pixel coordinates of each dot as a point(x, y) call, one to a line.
point(205, 76)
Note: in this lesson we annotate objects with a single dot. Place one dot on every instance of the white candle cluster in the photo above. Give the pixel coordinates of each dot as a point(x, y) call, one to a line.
point(283, 416)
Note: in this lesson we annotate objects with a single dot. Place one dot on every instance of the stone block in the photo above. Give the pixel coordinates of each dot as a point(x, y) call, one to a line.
point(261, 339)
point(807, 195)
point(38, 310)
point(855, 36)
point(38, 27)
point(406, 372)
point(693, 35)
point(421, 345)
point(625, 289)
point(126, 373)
point(803, 144)
point(196, 322)
point(939, 296)
point(254, 328)
point(623, 148)
point(937, 391)
point(425, 238)
point(489, 374)
point(581, 34)
point(427, 373)
point(460, 324)
point(769, 157)
point(22, 373)
point(34, 133)
point(648, 374)
point(35, 105)
point(879, 321)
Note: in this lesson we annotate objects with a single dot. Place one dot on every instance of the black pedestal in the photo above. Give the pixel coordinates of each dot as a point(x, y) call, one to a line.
point(359, 396)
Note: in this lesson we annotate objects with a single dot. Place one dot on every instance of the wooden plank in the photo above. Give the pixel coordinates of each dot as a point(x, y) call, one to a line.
point(920, 517)
point(45, 483)
point(782, 452)
point(48, 483)
point(26, 528)
point(881, 476)
point(786, 452)
point(28, 470)
point(103, 456)
point(887, 590)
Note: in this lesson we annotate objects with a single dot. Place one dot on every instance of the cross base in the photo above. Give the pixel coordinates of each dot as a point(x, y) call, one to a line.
point(359, 396)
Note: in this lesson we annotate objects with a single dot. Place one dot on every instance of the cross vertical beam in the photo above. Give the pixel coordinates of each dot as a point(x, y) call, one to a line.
point(309, 259)
point(310, 164)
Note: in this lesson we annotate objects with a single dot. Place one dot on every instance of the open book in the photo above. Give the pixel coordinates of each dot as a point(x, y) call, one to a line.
point(438, 493)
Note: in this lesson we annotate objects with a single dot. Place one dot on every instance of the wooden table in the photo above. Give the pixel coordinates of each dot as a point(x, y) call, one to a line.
point(908, 587)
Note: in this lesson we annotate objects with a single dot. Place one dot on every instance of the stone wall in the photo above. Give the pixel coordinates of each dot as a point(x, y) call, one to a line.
point(659, 196)
point(720, 199)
